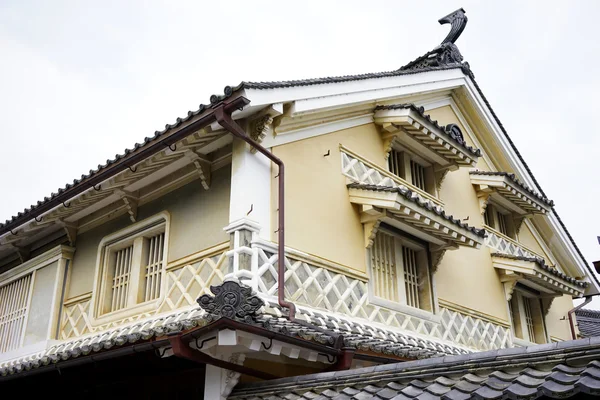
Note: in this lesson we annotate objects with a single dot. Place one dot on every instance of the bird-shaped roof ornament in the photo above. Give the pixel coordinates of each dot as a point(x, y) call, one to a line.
point(458, 21)
point(446, 55)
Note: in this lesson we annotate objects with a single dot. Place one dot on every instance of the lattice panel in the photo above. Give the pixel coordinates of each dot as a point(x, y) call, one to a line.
point(501, 245)
point(474, 332)
point(76, 320)
point(186, 284)
point(324, 289)
point(320, 288)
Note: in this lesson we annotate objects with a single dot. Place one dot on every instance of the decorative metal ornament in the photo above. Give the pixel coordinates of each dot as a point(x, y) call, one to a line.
point(455, 133)
point(458, 21)
point(231, 300)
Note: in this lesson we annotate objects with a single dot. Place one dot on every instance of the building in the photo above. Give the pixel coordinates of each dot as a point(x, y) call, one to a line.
point(413, 229)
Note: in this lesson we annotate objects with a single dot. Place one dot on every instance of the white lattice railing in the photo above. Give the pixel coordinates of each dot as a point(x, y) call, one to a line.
point(474, 332)
point(308, 281)
point(313, 284)
point(360, 170)
point(503, 244)
point(185, 282)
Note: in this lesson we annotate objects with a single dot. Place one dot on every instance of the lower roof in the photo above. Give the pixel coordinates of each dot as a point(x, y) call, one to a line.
point(555, 370)
point(588, 322)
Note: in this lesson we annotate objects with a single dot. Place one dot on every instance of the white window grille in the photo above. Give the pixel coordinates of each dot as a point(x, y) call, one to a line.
point(121, 277)
point(418, 174)
point(529, 319)
point(411, 276)
point(395, 163)
point(399, 272)
point(153, 268)
point(132, 269)
point(14, 303)
point(383, 257)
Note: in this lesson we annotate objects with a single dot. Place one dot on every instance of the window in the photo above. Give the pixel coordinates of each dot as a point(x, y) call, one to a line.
point(411, 169)
point(499, 219)
point(527, 316)
point(14, 302)
point(399, 271)
point(132, 266)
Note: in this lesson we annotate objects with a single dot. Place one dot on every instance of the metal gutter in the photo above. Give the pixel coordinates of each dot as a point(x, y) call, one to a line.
point(588, 299)
point(223, 117)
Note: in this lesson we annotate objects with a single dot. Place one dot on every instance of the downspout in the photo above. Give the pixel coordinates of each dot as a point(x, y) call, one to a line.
point(224, 119)
point(588, 299)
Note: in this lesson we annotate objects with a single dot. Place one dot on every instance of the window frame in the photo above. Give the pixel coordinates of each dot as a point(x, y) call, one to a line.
point(522, 295)
point(403, 239)
point(403, 157)
point(119, 240)
point(493, 210)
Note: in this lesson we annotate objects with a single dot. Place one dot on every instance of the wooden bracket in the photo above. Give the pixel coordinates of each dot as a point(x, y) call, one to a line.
point(483, 194)
point(371, 219)
point(203, 167)
point(259, 127)
point(22, 252)
point(436, 259)
point(509, 280)
point(131, 203)
point(70, 230)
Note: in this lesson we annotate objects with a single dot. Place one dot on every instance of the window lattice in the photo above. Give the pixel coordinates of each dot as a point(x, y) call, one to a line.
point(502, 223)
point(529, 319)
point(121, 276)
point(383, 263)
point(411, 276)
point(13, 312)
point(154, 267)
point(395, 163)
point(418, 174)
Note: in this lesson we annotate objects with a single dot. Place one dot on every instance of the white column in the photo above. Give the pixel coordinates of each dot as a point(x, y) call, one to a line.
point(212, 383)
point(219, 382)
point(250, 187)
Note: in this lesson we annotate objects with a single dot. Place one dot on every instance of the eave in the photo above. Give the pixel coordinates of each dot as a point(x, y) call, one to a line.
point(522, 199)
point(400, 206)
point(535, 273)
point(447, 147)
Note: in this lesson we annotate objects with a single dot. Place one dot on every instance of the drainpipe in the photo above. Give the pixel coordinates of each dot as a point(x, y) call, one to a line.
point(570, 314)
point(224, 119)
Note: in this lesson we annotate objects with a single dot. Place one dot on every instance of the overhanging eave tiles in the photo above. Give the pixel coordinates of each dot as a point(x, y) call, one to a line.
point(536, 271)
point(509, 187)
point(447, 142)
point(406, 206)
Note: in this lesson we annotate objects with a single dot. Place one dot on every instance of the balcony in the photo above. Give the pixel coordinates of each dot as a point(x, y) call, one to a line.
point(384, 197)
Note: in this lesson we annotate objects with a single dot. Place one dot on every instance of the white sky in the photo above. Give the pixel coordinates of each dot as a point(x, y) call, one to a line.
point(81, 81)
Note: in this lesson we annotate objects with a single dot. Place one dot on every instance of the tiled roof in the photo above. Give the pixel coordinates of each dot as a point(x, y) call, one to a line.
point(369, 337)
point(542, 264)
point(25, 214)
point(556, 370)
point(517, 182)
point(421, 111)
point(588, 322)
point(337, 79)
point(317, 327)
point(413, 67)
point(414, 198)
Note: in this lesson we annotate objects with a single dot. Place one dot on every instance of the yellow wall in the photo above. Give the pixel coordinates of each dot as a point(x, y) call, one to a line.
point(466, 276)
point(319, 218)
point(527, 239)
point(198, 217)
